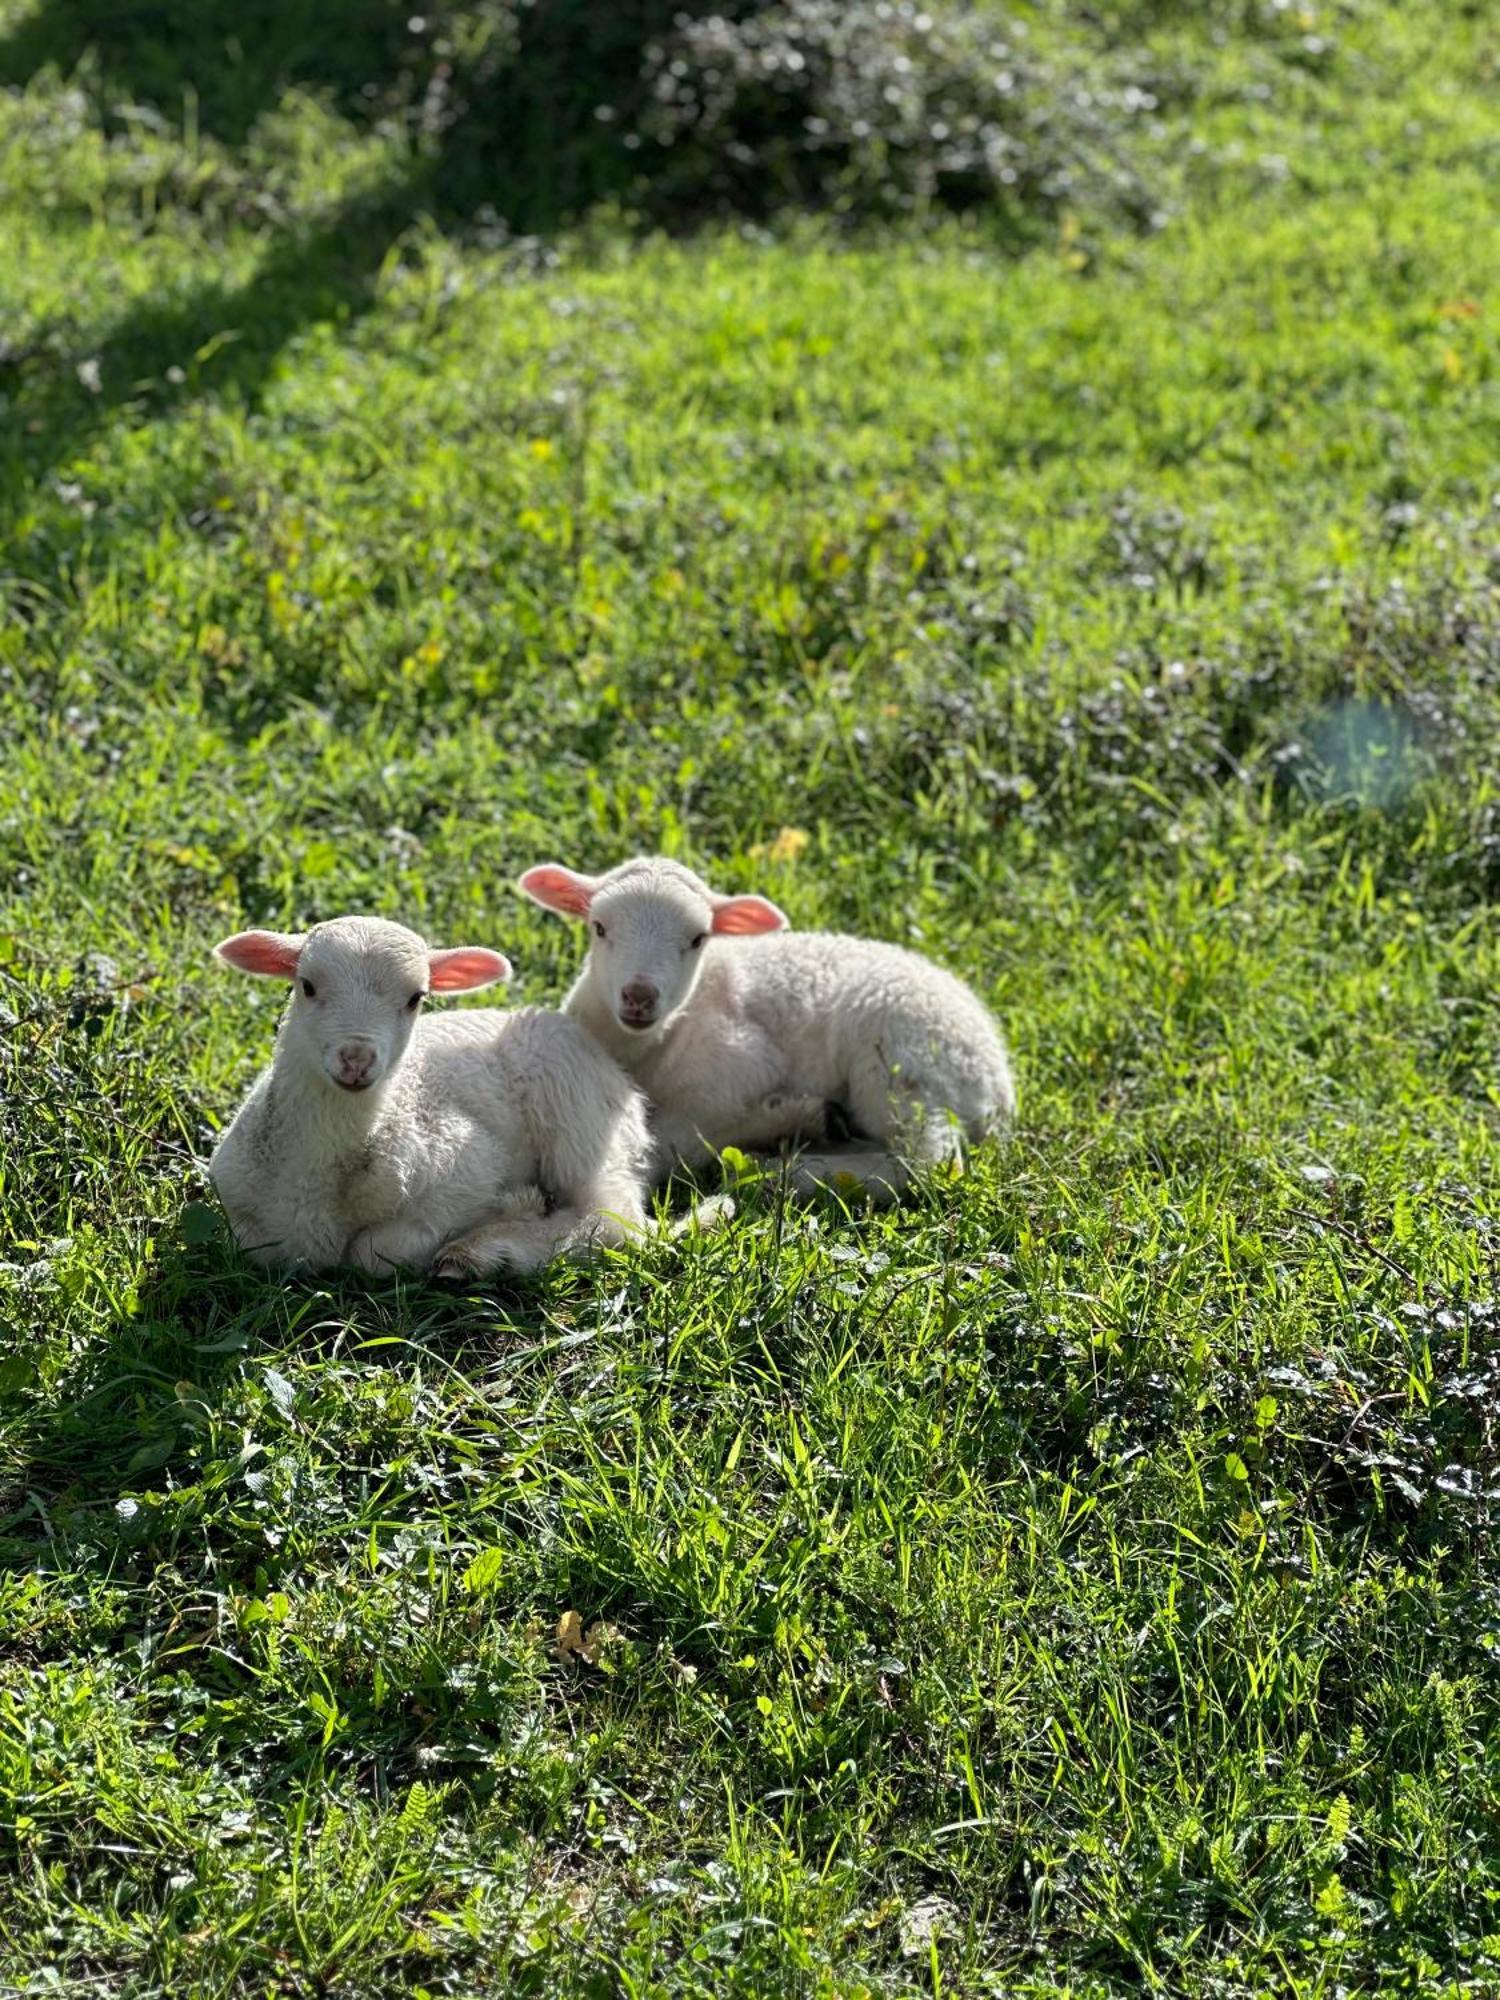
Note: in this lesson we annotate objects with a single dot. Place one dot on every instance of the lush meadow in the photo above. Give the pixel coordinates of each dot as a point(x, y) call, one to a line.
point(1079, 1581)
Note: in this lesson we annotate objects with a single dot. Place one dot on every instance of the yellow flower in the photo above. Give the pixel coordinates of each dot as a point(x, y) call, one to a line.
point(789, 844)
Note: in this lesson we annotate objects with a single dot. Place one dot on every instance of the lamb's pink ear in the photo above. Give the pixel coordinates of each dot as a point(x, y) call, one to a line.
point(273, 954)
point(558, 888)
point(746, 916)
point(464, 967)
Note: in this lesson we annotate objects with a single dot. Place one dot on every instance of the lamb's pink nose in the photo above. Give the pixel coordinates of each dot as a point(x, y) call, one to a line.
point(356, 1062)
point(639, 998)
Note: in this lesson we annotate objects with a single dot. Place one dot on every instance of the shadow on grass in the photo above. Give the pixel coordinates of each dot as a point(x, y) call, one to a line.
point(172, 1405)
point(492, 108)
point(221, 63)
point(221, 340)
point(500, 96)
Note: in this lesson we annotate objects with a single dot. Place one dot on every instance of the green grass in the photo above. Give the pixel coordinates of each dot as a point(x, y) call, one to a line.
point(1082, 1581)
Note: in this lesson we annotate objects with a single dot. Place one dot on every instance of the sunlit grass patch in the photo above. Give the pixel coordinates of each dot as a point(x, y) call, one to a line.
point(1078, 1579)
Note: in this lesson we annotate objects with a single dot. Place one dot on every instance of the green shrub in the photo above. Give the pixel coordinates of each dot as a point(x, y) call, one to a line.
point(879, 108)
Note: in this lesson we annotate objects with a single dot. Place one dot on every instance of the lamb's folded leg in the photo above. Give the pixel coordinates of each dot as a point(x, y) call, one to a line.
point(869, 1171)
point(525, 1242)
point(929, 1139)
point(518, 1245)
point(523, 1235)
point(386, 1246)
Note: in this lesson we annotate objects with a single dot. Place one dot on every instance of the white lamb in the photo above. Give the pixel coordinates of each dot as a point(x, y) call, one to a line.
point(380, 1139)
point(744, 1033)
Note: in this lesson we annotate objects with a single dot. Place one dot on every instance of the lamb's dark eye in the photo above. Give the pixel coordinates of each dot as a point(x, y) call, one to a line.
point(415, 1002)
point(309, 989)
point(699, 941)
point(598, 930)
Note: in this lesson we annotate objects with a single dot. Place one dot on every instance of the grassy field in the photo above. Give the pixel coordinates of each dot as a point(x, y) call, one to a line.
point(1082, 1581)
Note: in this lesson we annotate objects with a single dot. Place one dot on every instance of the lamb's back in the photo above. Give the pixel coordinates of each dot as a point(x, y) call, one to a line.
point(795, 981)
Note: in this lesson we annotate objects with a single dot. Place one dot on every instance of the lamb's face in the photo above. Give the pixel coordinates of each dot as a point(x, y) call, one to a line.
point(646, 940)
point(648, 921)
point(358, 984)
point(356, 995)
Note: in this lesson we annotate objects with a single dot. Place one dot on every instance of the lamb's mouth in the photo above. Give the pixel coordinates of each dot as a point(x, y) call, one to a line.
point(363, 1083)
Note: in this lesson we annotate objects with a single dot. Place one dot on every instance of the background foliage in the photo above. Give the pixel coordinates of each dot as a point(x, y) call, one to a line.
point(1080, 1582)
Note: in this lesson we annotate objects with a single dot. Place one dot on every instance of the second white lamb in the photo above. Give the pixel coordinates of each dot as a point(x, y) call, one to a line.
point(744, 1033)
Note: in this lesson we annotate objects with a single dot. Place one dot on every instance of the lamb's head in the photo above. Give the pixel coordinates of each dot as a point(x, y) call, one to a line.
point(358, 984)
point(648, 921)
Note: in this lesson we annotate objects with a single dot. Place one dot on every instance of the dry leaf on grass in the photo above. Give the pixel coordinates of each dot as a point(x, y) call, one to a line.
point(574, 1643)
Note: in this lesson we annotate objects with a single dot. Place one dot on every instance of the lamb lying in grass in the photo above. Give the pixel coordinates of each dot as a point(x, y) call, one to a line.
point(742, 1033)
point(379, 1138)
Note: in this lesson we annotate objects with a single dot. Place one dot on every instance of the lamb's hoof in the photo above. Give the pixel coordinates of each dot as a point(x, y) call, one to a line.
point(455, 1261)
point(467, 1259)
point(704, 1217)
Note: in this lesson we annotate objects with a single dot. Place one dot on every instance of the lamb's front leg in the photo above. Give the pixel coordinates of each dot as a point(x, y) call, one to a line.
point(783, 1117)
point(869, 1171)
point(524, 1236)
point(386, 1246)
